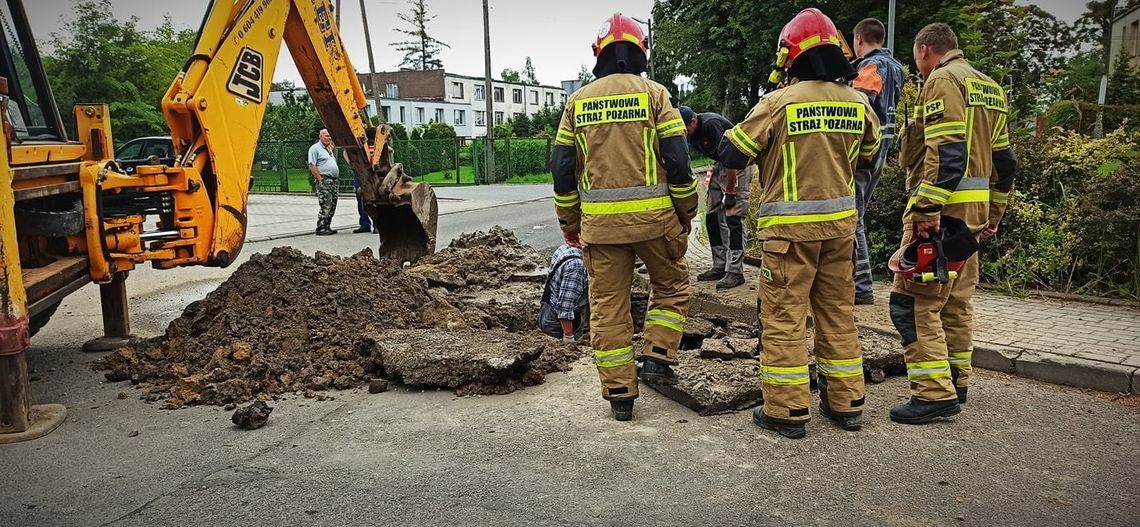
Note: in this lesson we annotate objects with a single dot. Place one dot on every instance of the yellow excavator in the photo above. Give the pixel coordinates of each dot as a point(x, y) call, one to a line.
point(70, 216)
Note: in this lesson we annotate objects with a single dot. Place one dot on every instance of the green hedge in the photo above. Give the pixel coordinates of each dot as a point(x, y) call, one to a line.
point(1073, 223)
point(514, 158)
point(1080, 116)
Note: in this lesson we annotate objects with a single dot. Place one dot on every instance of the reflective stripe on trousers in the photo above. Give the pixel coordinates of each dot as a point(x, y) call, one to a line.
point(666, 318)
point(790, 375)
point(839, 367)
point(931, 369)
point(614, 358)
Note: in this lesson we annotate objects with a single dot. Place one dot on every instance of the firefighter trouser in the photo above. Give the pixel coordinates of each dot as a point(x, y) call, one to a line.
point(936, 322)
point(794, 277)
point(610, 268)
point(726, 229)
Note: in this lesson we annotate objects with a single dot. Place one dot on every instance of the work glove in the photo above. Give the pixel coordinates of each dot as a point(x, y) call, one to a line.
point(729, 202)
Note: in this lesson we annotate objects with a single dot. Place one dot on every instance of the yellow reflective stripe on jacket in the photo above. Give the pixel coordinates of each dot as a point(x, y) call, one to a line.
point(810, 211)
point(613, 358)
point(947, 128)
point(969, 196)
point(671, 127)
point(788, 151)
point(784, 375)
point(937, 194)
point(839, 367)
point(627, 207)
point(931, 369)
point(683, 191)
point(853, 152)
point(741, 140)
point(959, 359)
point(1001, 198)
point(566, 200)
point(665, 318)
point(969, 141)
point(869, 150)
point(565, 137)
point(649, 140)
point(585, 160)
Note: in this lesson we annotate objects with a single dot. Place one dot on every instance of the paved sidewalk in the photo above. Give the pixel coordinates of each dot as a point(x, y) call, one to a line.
point(275, 216)
point(1066, 342)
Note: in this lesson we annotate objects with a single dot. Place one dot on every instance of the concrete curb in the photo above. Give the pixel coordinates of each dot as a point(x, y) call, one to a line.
point(1048, 367)
point(296, 234)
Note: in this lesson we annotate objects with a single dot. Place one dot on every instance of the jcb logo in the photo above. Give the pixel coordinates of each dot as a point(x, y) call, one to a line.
point(246, 79)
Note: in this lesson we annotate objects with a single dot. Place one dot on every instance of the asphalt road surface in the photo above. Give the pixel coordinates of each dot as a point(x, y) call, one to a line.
point(1022, 452)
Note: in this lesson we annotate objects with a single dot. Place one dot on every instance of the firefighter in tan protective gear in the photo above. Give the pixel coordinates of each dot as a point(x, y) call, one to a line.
point(623, 190)
point(806, 139)
point(960, 165)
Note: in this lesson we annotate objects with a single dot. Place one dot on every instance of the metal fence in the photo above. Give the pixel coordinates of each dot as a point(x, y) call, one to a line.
point(282, 166)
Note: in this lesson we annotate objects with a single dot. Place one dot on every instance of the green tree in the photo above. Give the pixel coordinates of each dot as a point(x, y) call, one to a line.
point(98, 58)
point(522, 126)
point(1124, 83)
point(585, 76)
point(421, 51)
point(510, 75)
point(528, 75)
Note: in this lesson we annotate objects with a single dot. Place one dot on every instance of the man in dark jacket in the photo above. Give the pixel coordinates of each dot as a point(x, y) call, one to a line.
point(727, 204)
point(881, 79)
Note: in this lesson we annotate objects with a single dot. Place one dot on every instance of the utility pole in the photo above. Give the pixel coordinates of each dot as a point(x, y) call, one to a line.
point(649, 23)
point(488, 95)
point(336, 12)
point(891, 26)
point(371, 65)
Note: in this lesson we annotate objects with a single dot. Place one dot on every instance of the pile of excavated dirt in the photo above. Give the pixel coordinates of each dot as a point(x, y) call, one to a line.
point(285, 323)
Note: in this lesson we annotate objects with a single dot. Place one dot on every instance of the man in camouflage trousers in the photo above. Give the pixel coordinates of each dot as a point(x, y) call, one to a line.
point(325, 174)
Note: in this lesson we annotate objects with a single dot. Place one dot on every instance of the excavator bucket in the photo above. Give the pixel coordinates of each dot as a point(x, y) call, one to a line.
point(407, 221)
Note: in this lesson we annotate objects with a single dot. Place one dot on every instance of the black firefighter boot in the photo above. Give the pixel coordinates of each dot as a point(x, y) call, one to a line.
point(623, 409)
point(920, 412)
point(788, 429)
point(730, 281)
point(849, 421)
point(656, 373)
point(960, 389)
point(711, 275)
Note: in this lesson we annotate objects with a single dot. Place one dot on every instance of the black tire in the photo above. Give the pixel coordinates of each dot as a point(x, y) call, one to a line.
point(50, 217)
point(39, 320)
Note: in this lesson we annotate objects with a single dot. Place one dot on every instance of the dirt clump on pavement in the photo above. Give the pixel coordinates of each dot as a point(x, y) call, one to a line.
point(253, 416)
point(287, 323)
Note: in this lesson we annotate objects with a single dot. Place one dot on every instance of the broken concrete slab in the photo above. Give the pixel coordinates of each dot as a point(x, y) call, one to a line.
point(468, 361)
point(728, 348)
point(711, 387)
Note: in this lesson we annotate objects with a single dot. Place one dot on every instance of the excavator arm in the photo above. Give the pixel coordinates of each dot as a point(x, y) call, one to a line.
point(214, 109)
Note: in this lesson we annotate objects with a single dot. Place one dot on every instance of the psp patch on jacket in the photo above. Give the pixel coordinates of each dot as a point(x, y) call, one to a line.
point(934, 110)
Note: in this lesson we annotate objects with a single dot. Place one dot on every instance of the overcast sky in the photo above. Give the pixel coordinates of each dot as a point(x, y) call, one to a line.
point(556, 35)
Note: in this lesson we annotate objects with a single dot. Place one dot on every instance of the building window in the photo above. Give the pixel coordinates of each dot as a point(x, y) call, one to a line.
point(516, 95)
point(392, 91)
point(549, 98)
point(419, 115)
point(439, 115)
point(460, 117)
point(498, 118)
point(563, 99)
point(387, 113)
point(498, 95)
point(518, 115)
point(534, 97)
point(480, 118)
point(403, 117)
point(479, 94)
point(457, 90)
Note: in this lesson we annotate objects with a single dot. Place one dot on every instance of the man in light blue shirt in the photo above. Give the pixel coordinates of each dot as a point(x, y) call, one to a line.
point(325, 174)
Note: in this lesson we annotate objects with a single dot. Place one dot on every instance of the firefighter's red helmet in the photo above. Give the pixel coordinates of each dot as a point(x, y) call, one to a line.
point(940, 257)
point(620, 28)
point(808, 29)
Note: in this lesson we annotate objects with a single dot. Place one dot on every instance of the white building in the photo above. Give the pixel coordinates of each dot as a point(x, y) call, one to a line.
point(437, 87)
point(410, 113)
point(1125, 37)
